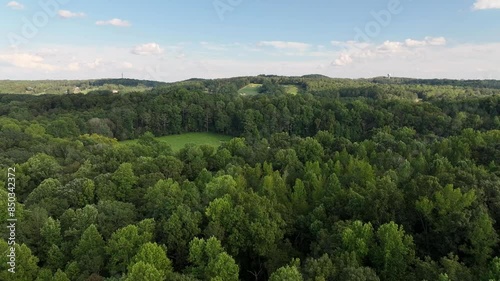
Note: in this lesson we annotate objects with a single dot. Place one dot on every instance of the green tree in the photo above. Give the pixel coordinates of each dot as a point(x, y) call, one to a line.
point(30, 230)
point(113, 215)
point(220, 186)
point(63, 127)
point(299, 198)
point(483, 239)
point(447, 216)
point(74, 223)
point(44, 274)
point(211, 262)
point(163, 198)
point(142, 271)
point(180, 229)
point(78, 192)
point(37, 169)
point(319, 269)
point(51, 235)
point(394, 252)
point(359, 274)
point(493, 273)
point(194, 161)
point(101, 127)
point(25, 268)
point(124, 179)
point(309, 150)
point(170, 166)
point(456, 270)
point(46, 195)
point(89, 253)
point(55, 258)
point(357, 238)
point(60, 276)
point(155, 255)
point(248, 223)
point(289, 273)
point(122, 246)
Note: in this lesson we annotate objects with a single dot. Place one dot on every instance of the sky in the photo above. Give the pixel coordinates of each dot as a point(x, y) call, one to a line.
point(173, 40)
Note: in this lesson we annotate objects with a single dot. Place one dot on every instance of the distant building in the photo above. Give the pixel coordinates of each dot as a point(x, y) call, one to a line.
point(77, 90)
point(115, 91)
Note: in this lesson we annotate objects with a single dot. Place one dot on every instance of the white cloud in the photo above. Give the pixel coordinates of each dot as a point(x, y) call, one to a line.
point(96, 63)
point(296, 46)
point(428, 41)
point(47, 52)
point(68, 14)
point(477, 61)
point(439, 41)
point(15, 5)
point(354, 51)
point(27, 61)
point(127, 65)
point(115, 22)
point(343, 60)
point(415, 43)
point(148, 49)
point(486, 4)
point(74, 66)
point(390, 47)
point(350, 44)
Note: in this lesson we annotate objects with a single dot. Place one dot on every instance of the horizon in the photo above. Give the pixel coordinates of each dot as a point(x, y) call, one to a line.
point(235, 77)
point(177, 40)
point(250, 76)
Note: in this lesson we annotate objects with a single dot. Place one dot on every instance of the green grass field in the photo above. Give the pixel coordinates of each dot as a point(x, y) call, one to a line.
point(291, 89)
point(177, 142)
point(253, 89)
point(250, 90)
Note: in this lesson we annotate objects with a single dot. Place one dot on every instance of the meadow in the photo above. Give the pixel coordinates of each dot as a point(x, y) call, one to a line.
point(252, 89)
point(177, 142)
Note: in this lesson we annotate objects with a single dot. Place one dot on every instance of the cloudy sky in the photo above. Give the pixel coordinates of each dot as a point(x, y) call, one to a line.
point(171, 40)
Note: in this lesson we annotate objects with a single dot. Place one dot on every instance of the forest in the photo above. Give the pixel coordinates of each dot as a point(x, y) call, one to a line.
point(357, 180)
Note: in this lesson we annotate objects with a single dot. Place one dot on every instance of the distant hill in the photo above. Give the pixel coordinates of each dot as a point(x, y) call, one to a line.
point(127, 82)
point(311, 83)
point(316, 76)
point(58, 87)
point(491, 84)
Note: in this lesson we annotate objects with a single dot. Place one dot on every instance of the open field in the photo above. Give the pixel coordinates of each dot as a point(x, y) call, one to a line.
point(177, 142)
point(291, 89)
point(250, 90)
point(253, 89)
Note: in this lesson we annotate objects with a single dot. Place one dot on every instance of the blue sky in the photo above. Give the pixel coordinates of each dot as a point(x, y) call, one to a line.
point(172, 40)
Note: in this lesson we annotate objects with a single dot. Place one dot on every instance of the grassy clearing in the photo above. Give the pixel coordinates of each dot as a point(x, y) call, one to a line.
point(177, 142)
point(291, 89)
point(250, 90)
point(253, 89)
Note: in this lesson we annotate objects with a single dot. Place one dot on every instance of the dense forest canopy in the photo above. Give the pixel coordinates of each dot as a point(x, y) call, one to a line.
point(370, 179)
